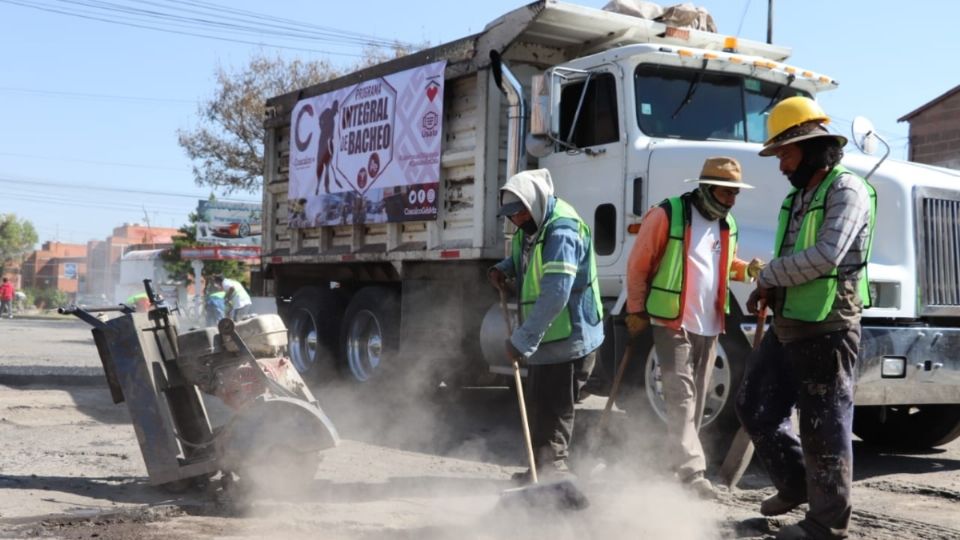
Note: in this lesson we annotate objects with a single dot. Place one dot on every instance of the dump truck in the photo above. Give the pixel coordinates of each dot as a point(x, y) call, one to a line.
point(381, 191)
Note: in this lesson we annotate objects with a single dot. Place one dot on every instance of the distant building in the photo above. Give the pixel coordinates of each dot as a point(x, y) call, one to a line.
point(103, 256)
point(56, 265)
point(935, 131)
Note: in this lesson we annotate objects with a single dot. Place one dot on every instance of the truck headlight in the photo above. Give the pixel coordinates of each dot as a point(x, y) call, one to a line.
point(885, 294)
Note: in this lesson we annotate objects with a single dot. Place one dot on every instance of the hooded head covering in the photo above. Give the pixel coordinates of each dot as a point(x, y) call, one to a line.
point(532, 190)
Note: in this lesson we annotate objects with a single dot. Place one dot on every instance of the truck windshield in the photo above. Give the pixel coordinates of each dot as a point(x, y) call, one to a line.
point(700, 105)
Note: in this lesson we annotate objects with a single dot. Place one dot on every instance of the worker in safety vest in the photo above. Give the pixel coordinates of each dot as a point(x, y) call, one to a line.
point(139, 302)
point(560, 312)
point(683, 257)
point(237, 300)
point(816, 286)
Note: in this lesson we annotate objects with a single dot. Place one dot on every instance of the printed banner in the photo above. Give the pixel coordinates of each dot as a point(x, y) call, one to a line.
point(368, 153)
point(229, 223)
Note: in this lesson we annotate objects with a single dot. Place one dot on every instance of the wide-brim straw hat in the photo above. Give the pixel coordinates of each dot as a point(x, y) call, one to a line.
point(721, 171)
point(800, 132)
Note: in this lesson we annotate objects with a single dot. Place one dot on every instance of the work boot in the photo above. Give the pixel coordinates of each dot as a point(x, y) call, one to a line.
point(701, 486)
point(793, 532)
point(776, 505)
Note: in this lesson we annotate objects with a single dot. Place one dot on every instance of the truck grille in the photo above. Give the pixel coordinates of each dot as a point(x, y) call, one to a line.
point(938, 251)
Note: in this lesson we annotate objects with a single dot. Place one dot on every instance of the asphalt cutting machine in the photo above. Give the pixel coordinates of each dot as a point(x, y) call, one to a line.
point(274, 428)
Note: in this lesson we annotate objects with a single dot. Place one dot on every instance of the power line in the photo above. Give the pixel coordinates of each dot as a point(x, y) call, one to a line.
point(90, 96)
point(93, 187)
point(92, 162)
point(199, 27)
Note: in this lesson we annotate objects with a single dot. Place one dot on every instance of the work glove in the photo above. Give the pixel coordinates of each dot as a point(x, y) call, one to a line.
point(636, 323)
point(513, 354)
point(755, 267)
point(497, 278)
point(757, 300)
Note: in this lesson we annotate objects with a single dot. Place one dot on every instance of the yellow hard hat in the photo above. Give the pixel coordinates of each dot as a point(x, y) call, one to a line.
point(795, 119)
point(793, 111)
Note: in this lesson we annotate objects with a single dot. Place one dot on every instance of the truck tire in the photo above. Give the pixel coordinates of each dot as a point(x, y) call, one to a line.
point(370, 334)
point(313, 319)
point(907, 427)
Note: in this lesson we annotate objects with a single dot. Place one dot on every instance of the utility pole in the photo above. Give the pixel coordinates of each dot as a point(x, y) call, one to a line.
point(770, 21)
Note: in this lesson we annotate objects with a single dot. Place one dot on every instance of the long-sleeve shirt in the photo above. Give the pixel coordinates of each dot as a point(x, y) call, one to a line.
point(841, 242)
point(644, 261)
point(564, 285)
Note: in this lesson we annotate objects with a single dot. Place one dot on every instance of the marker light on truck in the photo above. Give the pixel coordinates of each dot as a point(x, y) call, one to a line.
point(893, 367)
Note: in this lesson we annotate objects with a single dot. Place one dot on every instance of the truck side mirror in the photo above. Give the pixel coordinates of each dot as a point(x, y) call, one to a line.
point(864, 135)
point(538, 141)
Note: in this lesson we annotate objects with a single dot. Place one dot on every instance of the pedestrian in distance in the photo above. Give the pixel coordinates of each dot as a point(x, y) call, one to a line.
point(683, 257)
point(560, 314)
point(236, 299)
point(7, 292)
point(816, 286)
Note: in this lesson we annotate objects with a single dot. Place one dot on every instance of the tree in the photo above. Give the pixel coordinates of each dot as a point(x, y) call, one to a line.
point(227, 146)
point(17, 237)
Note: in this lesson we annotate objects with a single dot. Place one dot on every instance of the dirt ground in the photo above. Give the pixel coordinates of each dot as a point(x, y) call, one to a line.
point(432, 467)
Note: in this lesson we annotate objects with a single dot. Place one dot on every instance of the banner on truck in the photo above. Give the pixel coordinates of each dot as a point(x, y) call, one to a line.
point(368, 153)
point(228, 223)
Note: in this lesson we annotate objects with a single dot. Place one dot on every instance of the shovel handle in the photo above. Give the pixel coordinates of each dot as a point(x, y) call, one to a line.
point(518, 383)
point(615, 387)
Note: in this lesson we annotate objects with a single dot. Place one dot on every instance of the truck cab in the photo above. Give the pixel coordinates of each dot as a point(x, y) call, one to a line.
point(621, 129)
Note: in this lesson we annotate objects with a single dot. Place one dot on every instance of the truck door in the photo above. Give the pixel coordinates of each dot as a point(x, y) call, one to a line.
point(589, 172)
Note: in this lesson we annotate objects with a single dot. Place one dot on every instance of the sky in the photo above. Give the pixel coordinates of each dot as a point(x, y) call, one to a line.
point(90, 108)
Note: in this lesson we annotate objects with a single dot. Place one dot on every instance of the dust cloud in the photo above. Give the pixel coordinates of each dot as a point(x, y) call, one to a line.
point(421, 460)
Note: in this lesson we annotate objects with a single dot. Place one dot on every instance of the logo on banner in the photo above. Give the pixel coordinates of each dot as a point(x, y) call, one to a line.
point(302, 144)
point(433, 88)
point(366, 131)
point(428, 124)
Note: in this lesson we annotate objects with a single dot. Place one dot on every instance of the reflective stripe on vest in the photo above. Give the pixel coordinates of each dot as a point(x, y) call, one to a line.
point(561, 327)
point(812, 301)
point(665, 298)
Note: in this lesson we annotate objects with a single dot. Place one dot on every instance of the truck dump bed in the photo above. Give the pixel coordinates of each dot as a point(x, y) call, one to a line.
point(473, 130)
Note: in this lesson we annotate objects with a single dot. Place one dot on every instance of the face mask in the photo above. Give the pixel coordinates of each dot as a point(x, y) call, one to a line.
point(708, 205)
point(529, 227)
point(801, 176)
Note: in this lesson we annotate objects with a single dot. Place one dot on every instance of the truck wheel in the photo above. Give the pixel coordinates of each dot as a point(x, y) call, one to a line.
point(312, 322)
point(370, 333)
point(905, 427)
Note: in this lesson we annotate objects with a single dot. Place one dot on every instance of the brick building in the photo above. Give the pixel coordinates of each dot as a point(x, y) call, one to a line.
point(935, 131)
point(56, 265)
point(103, 256)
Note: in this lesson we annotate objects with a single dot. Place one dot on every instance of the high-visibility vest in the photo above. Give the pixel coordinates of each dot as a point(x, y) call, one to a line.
point(812, 301)
point(561, 327)
point(665, 298)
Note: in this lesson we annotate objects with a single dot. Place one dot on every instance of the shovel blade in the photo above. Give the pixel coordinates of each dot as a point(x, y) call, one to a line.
point(559, 495)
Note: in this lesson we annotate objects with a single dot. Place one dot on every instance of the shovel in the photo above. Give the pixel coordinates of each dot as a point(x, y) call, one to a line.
point(560, 495)
point(741, 450)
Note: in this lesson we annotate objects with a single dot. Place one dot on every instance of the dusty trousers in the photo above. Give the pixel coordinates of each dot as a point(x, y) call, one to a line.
point(816, 375)
point(686, 364)
point(552, 391)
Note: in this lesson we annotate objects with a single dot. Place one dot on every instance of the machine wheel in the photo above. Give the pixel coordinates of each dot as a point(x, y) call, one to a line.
point(370, 334)
point(312, 322)
point(907, 427)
